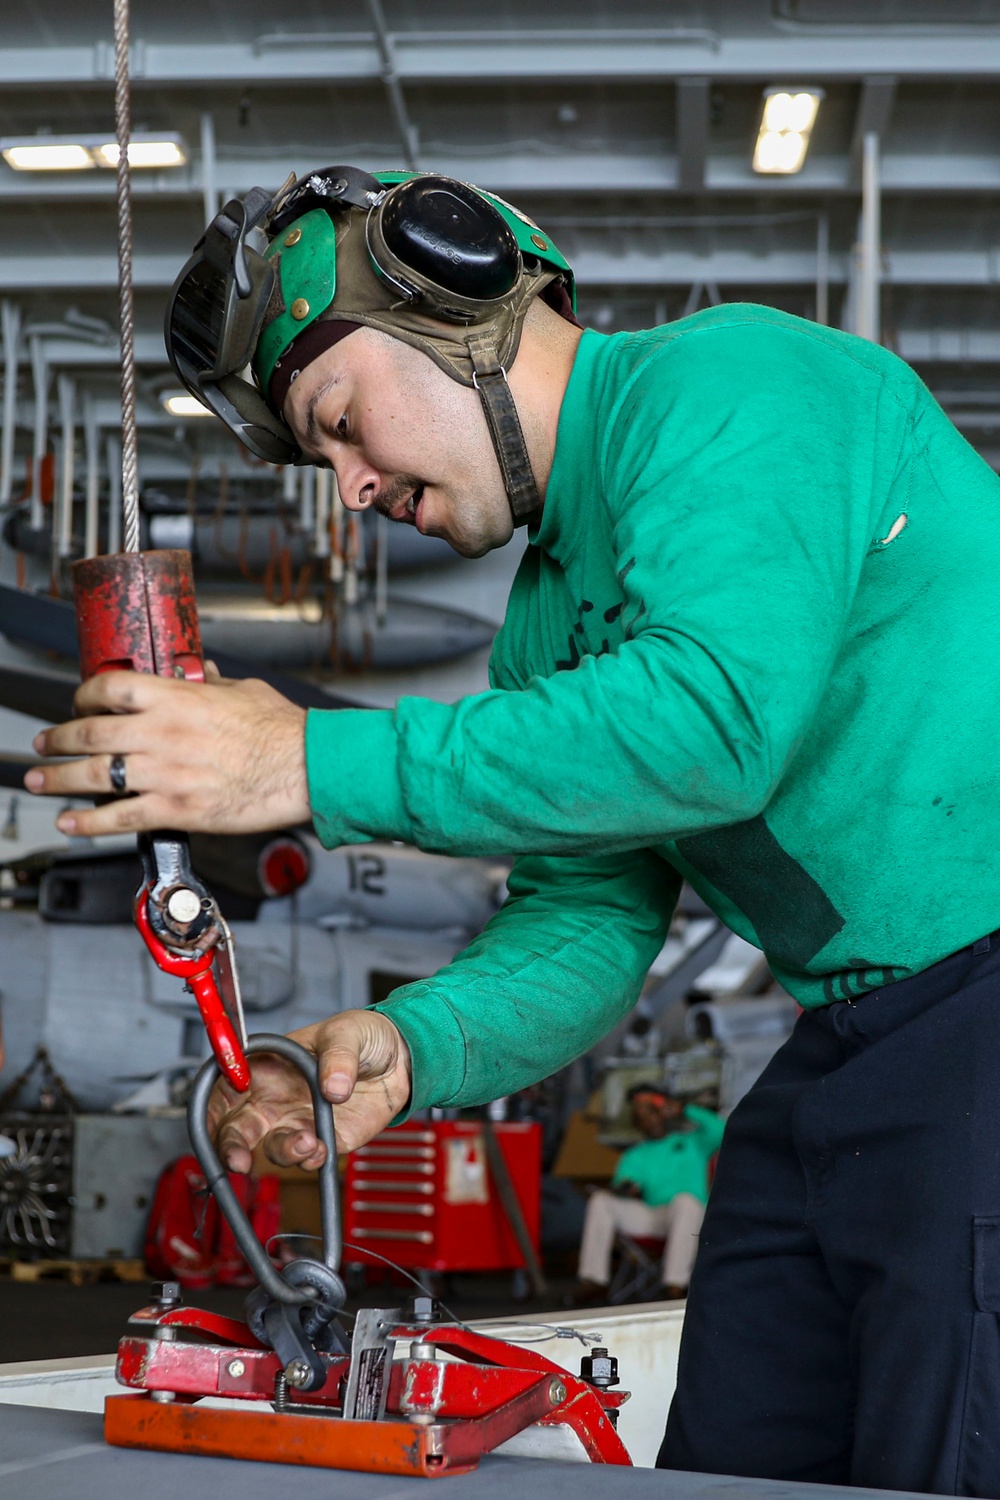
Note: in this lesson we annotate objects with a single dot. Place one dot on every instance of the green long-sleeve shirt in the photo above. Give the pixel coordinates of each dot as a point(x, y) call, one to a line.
point(677, 1163)
point(755, 642)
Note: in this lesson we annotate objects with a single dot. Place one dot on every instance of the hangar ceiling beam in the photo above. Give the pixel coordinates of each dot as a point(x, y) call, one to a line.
point(508, 55)
point(594, 266)
point(66, 353)
point(520, 172)
point(920, 346)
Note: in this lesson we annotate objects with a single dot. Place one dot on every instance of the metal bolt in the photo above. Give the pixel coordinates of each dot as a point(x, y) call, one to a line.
point(183, 905)
point(293, 237)
point(557, 1391)
point(166, 1293)
point(424, 1310)
point(421, 1350)
point(236, 1368)
point(163, 1396)
point(599, 1369)
point(300, 309)
point(298, 1373)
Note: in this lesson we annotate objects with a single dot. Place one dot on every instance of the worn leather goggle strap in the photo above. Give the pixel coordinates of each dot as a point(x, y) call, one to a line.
point(490, 380)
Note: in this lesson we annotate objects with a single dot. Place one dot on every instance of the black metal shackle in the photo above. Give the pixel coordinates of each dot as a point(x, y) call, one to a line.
point(273, 1282)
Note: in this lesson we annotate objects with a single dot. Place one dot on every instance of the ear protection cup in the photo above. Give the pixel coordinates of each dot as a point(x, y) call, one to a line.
point(425, 258)
point(441, 236)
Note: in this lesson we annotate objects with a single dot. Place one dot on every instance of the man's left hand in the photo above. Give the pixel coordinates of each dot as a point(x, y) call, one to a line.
point(215, 757)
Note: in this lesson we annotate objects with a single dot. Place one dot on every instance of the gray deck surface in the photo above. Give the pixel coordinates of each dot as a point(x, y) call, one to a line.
point(54, 1455)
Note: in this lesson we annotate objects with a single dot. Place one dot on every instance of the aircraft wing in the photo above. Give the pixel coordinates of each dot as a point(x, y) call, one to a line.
point(51, 624)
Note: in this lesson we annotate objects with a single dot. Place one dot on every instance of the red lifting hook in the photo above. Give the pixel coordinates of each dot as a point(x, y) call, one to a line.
point(199, 974)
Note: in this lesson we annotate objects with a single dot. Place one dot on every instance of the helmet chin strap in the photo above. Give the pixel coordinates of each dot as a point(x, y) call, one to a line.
point(490, 380)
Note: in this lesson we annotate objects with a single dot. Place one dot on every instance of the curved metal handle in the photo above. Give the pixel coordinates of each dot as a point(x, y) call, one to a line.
point(221, 1188)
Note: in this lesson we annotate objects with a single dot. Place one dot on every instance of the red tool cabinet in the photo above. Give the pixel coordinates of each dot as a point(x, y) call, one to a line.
point(423, 1196)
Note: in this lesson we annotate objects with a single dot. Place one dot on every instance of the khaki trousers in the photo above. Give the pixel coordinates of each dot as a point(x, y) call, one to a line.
point(679, 1221)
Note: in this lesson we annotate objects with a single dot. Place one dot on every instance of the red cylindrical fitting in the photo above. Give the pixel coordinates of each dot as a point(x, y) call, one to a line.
point(136, 611)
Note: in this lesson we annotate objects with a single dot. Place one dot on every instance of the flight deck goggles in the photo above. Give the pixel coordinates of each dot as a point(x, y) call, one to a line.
point(432, 261)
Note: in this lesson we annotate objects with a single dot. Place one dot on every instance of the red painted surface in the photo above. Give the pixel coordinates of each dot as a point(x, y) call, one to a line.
point(189, 1241)
point(404, 1190)
point(136, 611)
point(283, 867)
point(441, 1416)
point(200, 976)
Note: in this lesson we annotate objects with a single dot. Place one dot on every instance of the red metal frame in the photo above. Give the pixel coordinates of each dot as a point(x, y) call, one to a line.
point(441, 1414)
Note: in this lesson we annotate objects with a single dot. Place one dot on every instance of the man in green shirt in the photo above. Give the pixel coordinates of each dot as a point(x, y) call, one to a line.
point(658, 1191)
point(754, 643)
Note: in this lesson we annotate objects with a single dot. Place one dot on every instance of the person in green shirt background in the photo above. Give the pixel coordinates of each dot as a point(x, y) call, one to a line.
point(659, 1190)
point(754, 643)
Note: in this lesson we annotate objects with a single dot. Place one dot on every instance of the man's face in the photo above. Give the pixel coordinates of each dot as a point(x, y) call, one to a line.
point(404, 438)
point(653, 1115)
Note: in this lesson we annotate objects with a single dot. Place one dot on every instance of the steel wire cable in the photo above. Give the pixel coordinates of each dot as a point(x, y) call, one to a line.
point(126, 301)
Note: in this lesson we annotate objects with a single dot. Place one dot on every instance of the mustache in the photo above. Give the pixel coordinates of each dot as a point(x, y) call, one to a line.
point(401, 488)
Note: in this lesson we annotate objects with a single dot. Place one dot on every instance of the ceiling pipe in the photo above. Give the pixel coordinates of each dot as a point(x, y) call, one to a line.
point(382, 524)
point(336, 530)
point(209, 164)
point(67, 417)
point(92, 450)
point(114, 462)
point(823, 268)
point(10, 320)
point(321, 532)
point(394, 89)
point(40, 376)
point(868, 321)
point(692, 130)
point(307, 495)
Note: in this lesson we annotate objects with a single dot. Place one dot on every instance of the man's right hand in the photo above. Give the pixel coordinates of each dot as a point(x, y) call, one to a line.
point(364, 1070)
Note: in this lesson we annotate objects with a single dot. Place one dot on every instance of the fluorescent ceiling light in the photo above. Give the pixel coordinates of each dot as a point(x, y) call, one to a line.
point(180, 404)
point(67, 156)
point(46, 153)
point(163, 153)
point(785, 127)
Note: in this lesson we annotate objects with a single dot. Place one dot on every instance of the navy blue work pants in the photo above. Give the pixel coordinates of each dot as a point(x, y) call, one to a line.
point(843, 1320)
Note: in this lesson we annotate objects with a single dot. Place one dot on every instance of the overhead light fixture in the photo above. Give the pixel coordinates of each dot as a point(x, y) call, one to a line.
point(165, 153)
point(785, 127)
point(61, 156)
point(180, 404)
point(49, 153)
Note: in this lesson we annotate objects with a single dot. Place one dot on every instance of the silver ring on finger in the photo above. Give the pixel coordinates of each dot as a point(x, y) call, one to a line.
point(116, 771)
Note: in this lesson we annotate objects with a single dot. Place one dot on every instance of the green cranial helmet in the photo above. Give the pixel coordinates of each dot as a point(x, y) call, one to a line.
point(441, 265)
